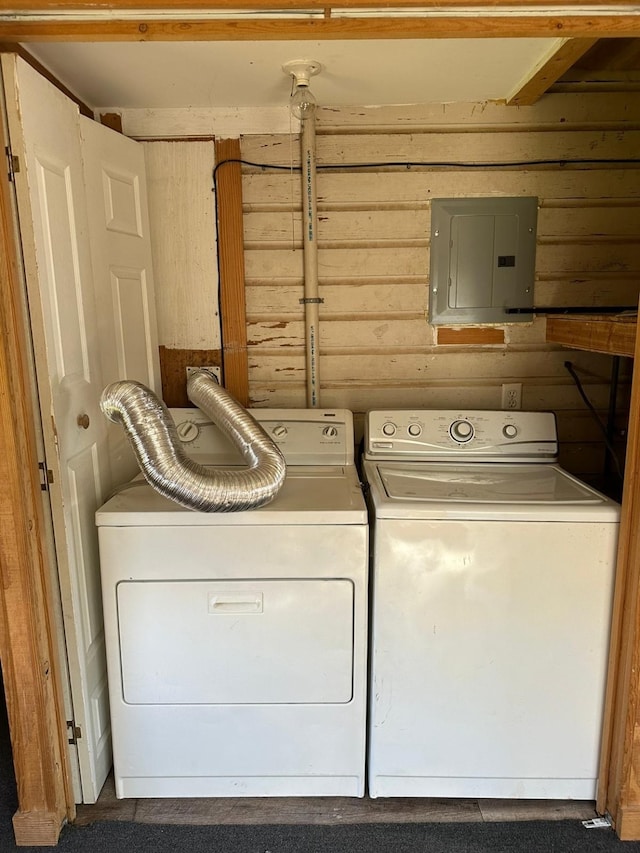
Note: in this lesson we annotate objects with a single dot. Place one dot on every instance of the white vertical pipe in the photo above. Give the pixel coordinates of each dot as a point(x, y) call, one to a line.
point(310, 244)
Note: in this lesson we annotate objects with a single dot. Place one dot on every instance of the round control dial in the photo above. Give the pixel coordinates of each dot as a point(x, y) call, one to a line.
point(461, 431)
point(509, 430)
point(188, 431)
point(414, 430)
point(330, 432)
point(388, 428)
point(280, 431)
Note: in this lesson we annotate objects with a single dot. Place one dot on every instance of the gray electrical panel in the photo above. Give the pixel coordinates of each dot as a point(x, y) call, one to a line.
point(483, 253)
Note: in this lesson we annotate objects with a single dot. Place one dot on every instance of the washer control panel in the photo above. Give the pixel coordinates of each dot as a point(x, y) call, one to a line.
point(510, 436)
point(305, 436)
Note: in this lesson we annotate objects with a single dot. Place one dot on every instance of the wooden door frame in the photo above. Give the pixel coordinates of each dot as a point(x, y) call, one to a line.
point(29, 650)
point(28, 643)
point(619, 785)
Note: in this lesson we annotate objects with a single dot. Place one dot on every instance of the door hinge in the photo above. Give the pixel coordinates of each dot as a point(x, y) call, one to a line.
point(75, 732)
point(13, 162)
point(46, 476)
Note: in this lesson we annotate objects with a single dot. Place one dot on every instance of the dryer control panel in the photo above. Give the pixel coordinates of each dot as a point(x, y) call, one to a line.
point(440, 435)
point(305, 436)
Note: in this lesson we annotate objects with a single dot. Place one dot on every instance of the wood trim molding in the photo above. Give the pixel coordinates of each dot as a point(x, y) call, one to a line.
point(531, 90)
point(112, 120)
point(27, 638)
point(497, 25)
point(617, 784)
point(233, 312)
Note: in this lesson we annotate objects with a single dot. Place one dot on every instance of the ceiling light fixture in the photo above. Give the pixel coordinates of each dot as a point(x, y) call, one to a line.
point(303, 102)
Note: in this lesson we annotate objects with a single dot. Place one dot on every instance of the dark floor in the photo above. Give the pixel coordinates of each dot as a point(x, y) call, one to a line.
point(8, 795)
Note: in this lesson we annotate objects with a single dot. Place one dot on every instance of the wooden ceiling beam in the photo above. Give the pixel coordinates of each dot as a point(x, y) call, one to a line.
point(613, 55)
point(496, 25)
point(549, 71)
point(33, 7)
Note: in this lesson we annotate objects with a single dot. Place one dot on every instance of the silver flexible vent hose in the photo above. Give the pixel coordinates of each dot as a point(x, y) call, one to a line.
point(152, 433)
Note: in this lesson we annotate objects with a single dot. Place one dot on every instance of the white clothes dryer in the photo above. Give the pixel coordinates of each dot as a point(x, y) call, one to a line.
point(237, 641)
point(492, 581)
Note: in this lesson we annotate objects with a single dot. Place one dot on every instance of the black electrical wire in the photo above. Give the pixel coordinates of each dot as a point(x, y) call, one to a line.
point(418, 164)
point(410, 164)
point(569, 366)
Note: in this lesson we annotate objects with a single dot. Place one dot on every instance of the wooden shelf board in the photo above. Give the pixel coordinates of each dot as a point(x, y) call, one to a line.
point(614, 334)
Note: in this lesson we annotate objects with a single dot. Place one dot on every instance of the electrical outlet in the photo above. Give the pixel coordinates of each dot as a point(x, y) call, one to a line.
point(512, 395)
point(216, 370)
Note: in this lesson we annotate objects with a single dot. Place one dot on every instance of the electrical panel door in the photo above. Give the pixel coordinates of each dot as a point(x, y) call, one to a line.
point(482, 260)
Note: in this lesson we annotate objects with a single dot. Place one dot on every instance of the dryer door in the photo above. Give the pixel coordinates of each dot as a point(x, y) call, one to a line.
point(236, 642)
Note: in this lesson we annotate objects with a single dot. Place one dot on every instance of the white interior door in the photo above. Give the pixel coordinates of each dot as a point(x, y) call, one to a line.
point(70, 344)
point(116, 193)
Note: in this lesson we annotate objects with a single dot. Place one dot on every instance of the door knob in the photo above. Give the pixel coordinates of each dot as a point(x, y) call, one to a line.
point(83, 421)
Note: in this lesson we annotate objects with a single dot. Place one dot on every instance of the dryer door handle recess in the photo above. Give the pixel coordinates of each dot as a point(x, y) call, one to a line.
point(235, 604)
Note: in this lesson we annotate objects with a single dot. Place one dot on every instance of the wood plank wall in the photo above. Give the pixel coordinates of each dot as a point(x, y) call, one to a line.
point(377, 347)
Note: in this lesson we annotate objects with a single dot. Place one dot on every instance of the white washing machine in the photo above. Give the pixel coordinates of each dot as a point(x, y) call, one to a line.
point(492, 582)
point(237, 641)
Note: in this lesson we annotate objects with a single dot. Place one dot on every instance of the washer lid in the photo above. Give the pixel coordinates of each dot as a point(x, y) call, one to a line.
point(322, 494)
point(544, 484)
point(477, 491)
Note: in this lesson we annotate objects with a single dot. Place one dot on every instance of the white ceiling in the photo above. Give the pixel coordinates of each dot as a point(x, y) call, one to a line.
point(163, 75)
